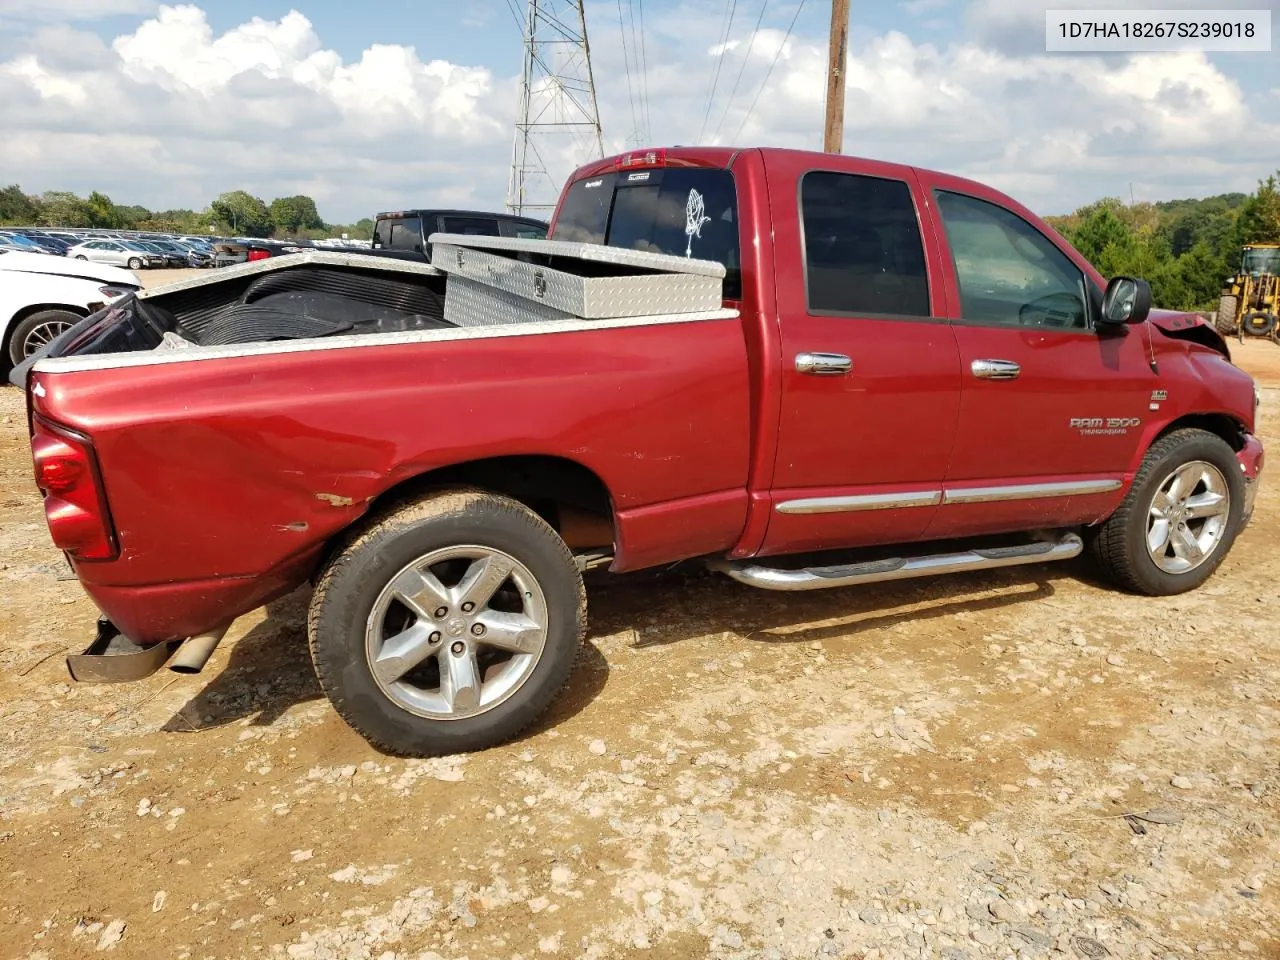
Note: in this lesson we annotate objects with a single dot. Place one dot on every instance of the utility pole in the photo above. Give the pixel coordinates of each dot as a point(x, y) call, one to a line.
point(833, 133)
point(558, 119)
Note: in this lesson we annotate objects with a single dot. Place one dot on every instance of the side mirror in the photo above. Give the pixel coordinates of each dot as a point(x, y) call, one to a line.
point(1127, 300)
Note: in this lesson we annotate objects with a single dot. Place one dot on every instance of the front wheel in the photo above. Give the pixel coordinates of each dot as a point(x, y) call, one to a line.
point(135, 263)
point(448, 625)
point(1179, 519)
point(81, 256)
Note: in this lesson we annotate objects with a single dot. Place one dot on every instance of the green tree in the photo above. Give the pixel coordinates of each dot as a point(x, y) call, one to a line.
point(242, 214)
point(16, 208)
point(61, 208)
point(1098, 229)
point(292, 214)
point(1260, 216)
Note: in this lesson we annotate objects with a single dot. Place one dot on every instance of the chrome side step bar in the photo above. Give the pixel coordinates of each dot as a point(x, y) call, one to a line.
point(898, 568)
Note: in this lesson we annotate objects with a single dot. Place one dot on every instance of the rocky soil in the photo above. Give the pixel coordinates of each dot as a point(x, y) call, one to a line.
point(1018, 764)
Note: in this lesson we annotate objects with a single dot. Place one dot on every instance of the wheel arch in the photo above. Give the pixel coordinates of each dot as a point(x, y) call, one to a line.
point(1223, 425)
point(7, 328)
point(572, 498)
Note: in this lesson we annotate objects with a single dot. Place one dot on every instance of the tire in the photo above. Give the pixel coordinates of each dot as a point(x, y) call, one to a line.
point(1123, 544)
point(81, 257)
point(1259, 323)
point(359, 606)
point(31, 333)
point(135, 263)
point(1226, 321)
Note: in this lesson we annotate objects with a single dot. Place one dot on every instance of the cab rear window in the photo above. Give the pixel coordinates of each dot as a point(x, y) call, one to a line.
point(684, 212)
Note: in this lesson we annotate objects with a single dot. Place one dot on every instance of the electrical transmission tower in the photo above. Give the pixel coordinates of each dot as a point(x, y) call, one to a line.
point(558, 121)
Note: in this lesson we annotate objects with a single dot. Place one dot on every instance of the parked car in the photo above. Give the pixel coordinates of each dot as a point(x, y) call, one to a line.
point(403, 234)
point(174, 255)
point(121, 253)
point(739, 357)
point(48, 244)
point(20, 242)
point(42, 296)
point(198, 255)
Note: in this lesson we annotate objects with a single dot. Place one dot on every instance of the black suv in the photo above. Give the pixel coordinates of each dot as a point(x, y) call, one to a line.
point(404, 233)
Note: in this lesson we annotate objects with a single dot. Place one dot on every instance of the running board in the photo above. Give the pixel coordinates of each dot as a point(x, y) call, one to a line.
point(898, 568)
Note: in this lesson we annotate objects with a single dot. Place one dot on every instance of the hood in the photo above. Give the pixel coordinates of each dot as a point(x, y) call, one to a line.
point(67, 267)
point(1180, 325)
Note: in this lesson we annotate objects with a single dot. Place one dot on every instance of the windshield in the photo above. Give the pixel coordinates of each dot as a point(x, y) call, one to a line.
point(21, 241)
point(1262, 260)
point(685, 212)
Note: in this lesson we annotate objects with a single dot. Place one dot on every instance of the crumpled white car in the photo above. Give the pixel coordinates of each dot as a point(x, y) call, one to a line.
point(41, 296)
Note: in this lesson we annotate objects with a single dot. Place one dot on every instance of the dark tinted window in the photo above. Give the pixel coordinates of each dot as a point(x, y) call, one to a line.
point(382, 233)
point(1009, 272)
point(405, 234)
point(523, 231)
point(678, 211)
point(863, 252)
point(470, 226)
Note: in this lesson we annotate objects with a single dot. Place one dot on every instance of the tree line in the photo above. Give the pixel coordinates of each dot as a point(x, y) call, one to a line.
point(1185, 248)
point(235, 213)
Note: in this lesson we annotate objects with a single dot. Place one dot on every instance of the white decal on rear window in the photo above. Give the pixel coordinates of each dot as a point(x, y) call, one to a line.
point(694, 219)
point(592, 185)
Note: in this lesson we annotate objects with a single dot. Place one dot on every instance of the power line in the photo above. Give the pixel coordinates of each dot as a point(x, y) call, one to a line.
point(644, 72)
point(626, 60)
point(746, 57)
point(730, 9)
point(776, 57)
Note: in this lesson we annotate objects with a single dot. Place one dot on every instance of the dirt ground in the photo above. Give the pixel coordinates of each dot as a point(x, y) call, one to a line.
point(933, 769)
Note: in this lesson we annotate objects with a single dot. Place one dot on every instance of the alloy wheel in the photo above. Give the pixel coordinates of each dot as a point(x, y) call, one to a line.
point(1187, 519)
point(456, 632)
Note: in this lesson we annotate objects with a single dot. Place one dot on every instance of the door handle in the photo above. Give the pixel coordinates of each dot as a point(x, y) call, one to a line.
point(995, 369)
point(823, 364)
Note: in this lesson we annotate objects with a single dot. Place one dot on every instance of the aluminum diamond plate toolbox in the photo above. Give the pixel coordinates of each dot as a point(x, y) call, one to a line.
point(471, 304)
point(587, 281)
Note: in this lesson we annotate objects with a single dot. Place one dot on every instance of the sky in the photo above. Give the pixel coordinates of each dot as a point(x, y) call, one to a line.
point(381, 105)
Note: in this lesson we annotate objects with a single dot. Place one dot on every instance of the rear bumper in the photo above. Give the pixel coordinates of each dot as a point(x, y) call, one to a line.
point(169, 612)
point(1251, 458)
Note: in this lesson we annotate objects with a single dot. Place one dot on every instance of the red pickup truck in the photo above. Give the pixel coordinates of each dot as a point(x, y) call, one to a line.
point(829, 371)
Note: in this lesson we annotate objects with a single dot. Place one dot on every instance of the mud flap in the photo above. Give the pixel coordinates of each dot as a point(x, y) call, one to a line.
point(113, 658)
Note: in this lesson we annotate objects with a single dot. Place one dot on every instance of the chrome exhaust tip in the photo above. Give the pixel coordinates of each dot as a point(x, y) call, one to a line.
point(195, 652)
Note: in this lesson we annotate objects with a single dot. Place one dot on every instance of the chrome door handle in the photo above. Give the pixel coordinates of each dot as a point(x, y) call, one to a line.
point(995, 369)
point(823, 364)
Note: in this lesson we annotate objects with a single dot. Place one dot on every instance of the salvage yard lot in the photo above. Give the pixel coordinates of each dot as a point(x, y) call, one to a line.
point(936, 768)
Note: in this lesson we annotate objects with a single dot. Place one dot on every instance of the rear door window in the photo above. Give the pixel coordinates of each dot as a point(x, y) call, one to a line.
point(683, 212)
point(470, 226)
point(406, 234)
point(862, 246)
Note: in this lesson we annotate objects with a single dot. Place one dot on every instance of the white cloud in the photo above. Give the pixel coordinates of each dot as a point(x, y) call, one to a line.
point(171, 114)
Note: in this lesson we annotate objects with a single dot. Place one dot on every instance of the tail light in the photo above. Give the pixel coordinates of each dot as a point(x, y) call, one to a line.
point(645, 158)
point(259, 254)
point(75, 505)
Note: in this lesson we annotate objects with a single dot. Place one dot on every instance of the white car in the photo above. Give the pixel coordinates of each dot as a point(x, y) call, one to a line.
point(121, 253)
point(42, 296)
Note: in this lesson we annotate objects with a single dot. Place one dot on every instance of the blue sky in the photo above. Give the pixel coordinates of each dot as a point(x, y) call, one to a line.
point(373, 105)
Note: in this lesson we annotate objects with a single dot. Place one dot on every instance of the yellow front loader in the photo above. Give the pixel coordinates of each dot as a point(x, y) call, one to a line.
point(1250, 304)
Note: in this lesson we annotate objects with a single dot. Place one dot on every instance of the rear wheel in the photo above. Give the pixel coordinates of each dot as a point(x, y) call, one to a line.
point(1179, 519)
point(135, 263)
point(449, 625)
point(1226, 320)
point(34, 332)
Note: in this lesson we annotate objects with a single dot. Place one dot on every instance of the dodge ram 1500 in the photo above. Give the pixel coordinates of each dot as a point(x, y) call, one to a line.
point(807, 370)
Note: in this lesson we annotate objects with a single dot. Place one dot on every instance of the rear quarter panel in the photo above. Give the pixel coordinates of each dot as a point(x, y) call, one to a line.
point(236, 466)
point(19, 291)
